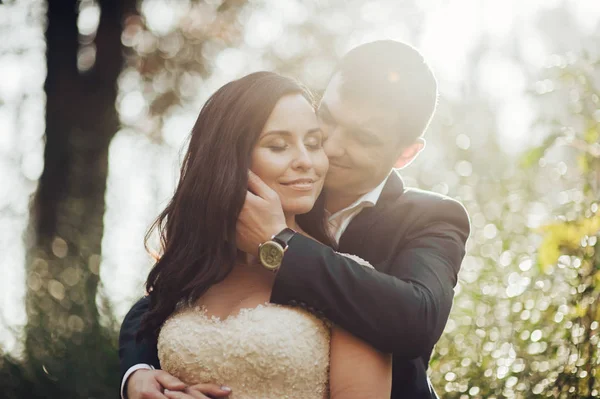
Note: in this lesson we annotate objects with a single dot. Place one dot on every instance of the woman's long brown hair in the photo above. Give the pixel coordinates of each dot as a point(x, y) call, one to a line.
point(197, 229)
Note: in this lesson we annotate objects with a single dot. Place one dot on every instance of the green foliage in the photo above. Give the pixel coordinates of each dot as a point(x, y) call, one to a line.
point(533, 156)
point(84, 364)
point(566, 237)
point(520, 331)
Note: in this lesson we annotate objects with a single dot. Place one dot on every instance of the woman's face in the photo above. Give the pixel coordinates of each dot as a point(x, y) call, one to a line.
point(289, 156)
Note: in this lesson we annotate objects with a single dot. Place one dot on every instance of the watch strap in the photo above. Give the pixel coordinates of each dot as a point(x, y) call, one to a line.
point(283, 237)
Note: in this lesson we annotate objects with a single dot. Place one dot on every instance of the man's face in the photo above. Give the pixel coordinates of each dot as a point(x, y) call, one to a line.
point(361, 143)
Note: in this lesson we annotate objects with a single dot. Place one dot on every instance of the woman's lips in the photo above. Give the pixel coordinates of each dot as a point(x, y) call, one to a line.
point(300, 184)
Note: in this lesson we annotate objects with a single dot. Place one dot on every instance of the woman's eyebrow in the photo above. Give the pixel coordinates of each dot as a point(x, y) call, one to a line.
point(277, 132)
point(288, 133)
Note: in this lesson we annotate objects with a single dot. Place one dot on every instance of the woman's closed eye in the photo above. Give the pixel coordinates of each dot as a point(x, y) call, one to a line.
point(314, 143)
point(278, 145)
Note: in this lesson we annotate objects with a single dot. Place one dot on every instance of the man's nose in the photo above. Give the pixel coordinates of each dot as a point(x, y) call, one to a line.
point(334, 145)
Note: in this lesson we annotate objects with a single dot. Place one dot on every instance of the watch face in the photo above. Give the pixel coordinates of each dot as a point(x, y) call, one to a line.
point(271, 255)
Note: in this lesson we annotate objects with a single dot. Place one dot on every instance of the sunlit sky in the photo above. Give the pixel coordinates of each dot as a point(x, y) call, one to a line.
point(142, 174)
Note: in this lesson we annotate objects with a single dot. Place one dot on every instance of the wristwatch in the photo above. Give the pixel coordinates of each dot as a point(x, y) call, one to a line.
point(270, 253)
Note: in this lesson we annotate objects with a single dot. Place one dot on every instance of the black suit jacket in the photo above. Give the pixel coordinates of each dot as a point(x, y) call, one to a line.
point(416, 242)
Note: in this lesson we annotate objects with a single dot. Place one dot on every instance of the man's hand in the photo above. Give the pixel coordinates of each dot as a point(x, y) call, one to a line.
point(261, 216)
point(149, 384)
point(200, 391)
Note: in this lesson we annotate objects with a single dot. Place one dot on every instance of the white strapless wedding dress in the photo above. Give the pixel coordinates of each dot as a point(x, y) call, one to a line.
point(267, 352)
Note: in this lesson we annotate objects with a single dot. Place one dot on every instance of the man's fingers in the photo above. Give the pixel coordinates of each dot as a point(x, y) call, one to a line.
point(252, 198)
point(143, 384)
point(214, 390)
point(182, 395)
point(148, 395)
point(169, 382)
point(259, 187)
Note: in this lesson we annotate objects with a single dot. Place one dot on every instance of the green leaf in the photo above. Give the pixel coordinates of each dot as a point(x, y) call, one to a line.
point(532, 157)
point(592, 135)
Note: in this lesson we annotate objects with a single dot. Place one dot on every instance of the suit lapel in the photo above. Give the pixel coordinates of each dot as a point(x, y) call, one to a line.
point(351, 239)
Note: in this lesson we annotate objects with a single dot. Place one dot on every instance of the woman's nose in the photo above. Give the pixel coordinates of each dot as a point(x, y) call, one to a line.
point(302, 159)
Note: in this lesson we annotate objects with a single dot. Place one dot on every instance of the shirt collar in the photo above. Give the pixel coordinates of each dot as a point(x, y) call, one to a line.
point(373, 196)
point(366, 200)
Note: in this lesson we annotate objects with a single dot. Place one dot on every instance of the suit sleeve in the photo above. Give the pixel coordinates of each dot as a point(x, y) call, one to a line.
point(402, 311)
point(132, 352)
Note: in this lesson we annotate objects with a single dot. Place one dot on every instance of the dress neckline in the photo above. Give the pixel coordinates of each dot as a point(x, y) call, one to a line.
point(202, 309)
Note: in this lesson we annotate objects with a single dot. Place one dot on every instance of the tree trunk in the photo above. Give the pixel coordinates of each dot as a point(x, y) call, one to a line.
point(63, 331)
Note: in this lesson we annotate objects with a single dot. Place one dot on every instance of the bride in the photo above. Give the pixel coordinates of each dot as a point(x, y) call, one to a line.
point(209, 303)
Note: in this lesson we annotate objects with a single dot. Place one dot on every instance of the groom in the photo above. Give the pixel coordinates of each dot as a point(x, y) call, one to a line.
point(374, 111)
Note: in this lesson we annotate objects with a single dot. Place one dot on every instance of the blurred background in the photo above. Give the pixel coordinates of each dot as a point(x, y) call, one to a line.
point(98, 96)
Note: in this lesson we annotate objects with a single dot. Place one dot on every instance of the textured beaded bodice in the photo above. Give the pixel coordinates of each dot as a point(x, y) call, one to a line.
point(266, 352)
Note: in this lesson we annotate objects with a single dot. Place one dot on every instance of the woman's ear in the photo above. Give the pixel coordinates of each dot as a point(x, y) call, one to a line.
point(409, 153)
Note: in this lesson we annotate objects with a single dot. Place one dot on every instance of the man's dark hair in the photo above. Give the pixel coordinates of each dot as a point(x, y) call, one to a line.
point(394, 76)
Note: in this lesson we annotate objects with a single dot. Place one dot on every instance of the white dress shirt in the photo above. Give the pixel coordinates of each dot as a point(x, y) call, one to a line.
point(337, 223)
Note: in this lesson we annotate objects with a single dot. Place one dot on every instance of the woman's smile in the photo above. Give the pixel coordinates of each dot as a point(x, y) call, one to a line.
point(302, 184)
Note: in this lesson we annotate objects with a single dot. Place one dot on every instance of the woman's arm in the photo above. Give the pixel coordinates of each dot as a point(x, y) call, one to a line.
point(357, 370)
